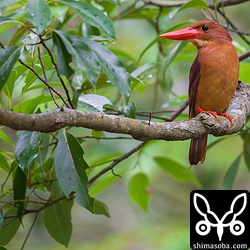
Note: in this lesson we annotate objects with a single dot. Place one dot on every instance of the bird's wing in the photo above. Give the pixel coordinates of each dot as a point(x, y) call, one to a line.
point(194, 78)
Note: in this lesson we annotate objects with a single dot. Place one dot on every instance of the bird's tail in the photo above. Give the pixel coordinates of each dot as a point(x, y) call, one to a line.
point(197, 150)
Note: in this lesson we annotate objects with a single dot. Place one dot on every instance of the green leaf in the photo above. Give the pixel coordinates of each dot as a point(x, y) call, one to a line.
point(231, 174)
point(93, 102)
point(166, 81)
point(7, 2)
point(246, 139)
point(1, 218)
point(10, 170)
point(139, 190)
point(83, 56)
point(59, 12)
point(100, 208)
point(113, 68)
point(8, 58)
point(6, 138)
point(92, 15)
point(57, 220)
point(174, 52)
point(4, 19)
point(175, 169)
point(31, 77)
point(113, 1)
point(63, 57)
point(3, 248)
point(10, 83)
point(90, 56)
point(9, 227)
point(3, 163)
point(19, 190)
point(102, 184)
point(71, 173)
point(31, 104)
point(142, 69)
point(27, 149)
point(38, 13)
point(200, 4)
point(129, 110)
point(70, 170)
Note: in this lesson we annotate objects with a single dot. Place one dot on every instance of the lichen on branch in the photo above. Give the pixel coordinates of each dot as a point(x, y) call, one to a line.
point(52, 121)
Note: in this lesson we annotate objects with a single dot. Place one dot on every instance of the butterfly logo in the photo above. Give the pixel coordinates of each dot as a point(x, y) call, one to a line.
point(203, 227)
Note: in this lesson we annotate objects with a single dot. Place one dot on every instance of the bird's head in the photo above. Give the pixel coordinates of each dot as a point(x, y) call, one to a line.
point(200, 33)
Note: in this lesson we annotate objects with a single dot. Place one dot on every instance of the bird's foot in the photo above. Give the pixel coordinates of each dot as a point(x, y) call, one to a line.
point(228, 117)
point(200, 110)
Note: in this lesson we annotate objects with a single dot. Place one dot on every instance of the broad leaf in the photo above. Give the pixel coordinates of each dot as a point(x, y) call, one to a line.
point(3, 248)
point(200, 4)
point(176, 170)
point(10, 83)
point(7, 2)
point(70, 169)
point(128, 110)
point(71, 173)
point(9, 227)
point(113, 1)
point(93, 102)
point(90, 56)
point(10, 170)
point(174, 52)
point(19, 190)
point(1, 218)
point(57, 220)
point(31, 104)
point(83, 56)
point(139, 190)
point(64, 58)
point(59, 12)
point(4, 164)
point(6, 138)
point(4, 19)
point(100, 208)
point(246, 139)
point(102, 184)
point(31, 77)
point(38, 13)
point(142, 69)
point(27, 149)
point(92, 15)
point(113, 68)
point(8, 58)
point(231, 174)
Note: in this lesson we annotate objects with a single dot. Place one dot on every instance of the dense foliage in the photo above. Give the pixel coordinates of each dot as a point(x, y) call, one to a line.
point(85, 55)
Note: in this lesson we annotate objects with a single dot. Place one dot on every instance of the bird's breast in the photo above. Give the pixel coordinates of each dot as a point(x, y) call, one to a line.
point(219, 71)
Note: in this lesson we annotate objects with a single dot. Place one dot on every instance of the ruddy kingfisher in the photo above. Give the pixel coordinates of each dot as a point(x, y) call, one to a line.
point(213, 76)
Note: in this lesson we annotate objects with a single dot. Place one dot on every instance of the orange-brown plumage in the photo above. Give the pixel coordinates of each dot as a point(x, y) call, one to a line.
point(213, 76)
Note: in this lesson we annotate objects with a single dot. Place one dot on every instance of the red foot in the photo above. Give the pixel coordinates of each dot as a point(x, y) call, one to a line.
point(228, 117)
point(200, 110)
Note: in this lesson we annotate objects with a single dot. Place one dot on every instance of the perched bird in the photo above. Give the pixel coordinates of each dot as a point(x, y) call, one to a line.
point(213, 76)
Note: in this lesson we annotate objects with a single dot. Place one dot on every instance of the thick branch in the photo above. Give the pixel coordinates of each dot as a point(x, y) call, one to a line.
point(140, 130)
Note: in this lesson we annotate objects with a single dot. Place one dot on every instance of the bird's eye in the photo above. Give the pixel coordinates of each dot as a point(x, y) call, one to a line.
point(204, 27)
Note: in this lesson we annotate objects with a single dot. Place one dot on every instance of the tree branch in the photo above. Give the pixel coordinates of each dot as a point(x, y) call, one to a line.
point(115, 162)
point(52, 121)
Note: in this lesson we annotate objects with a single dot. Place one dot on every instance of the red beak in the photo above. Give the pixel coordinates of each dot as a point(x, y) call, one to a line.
point(183, 34)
